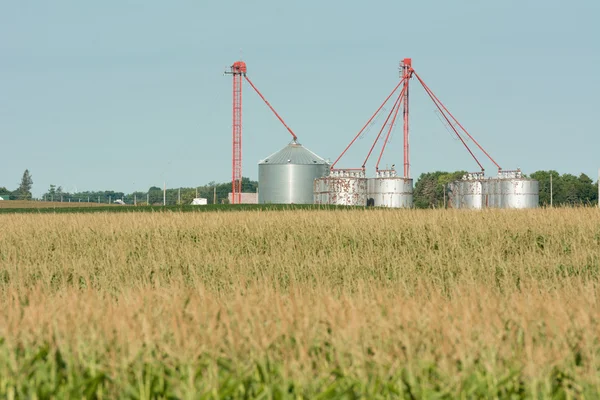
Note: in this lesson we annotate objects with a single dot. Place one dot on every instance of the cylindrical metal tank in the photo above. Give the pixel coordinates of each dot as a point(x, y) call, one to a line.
point(341, 187)
point(472, 194)
point(519, 193)
point(492, 197)
point(511, 190)
point(389, 190)
point(468, 193)
point(508, 190)
point(287, 176)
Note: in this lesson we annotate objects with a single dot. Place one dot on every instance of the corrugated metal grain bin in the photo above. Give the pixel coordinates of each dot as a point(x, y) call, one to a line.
point(287, 176)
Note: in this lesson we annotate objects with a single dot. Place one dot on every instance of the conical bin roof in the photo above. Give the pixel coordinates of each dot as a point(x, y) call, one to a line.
point(294, 153)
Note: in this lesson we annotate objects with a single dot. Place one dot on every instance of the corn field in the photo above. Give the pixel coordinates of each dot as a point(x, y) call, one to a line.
point(301, 304)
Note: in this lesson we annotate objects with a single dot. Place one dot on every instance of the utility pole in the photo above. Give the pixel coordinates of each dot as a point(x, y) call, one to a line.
point(135, 199)
point(165, 193)
point(148, 198)
point(214, 195)
point(551, 194)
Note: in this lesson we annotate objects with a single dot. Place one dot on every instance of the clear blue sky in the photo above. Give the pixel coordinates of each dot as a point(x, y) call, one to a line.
point(123, 94)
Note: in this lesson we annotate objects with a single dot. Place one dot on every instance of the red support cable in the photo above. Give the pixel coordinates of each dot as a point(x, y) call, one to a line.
point(367, 124)
point(272, 109)
point(455, 120)
point(396, 104)
point(433, 98)
point(402, 94)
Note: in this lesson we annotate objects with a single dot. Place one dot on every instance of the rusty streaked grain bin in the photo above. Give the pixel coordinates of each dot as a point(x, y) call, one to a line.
point(389, 190)
point(286, 177)
point(321, 191)
point(467, 193)
point(341, 187)
point(471, 191)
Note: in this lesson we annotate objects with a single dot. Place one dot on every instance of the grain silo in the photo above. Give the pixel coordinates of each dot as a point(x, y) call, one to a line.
point(492, 196)
point(508, 190)
point(389, 190)
point(471, 189)
point(287, 176)
point(344, 187)
point(517, 191)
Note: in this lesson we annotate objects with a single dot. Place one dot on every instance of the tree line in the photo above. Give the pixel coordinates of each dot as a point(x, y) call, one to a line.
point(23, 192)
point(567, 189)
point(212, 191)
point(429, 191)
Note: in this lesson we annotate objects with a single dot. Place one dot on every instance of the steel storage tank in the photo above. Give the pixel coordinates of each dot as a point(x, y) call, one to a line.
point(471, 191)
point(492, 197)
point(389, 190)
point(468, 192)
point(342, 187)
point(472, 196)
point(287, 176)
point(516, 191)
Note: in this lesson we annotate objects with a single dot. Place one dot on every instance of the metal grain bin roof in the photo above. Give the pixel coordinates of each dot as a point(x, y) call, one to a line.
point(294, 153)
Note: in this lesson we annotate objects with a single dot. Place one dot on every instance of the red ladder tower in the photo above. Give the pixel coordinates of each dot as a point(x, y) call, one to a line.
point(406, 66)
point(238, 69)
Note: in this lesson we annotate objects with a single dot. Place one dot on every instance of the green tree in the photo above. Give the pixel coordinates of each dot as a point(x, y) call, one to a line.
point(5, 193)
point(566, 189)
point(51, 194)
point(425, 190)
point(24, 190)
point(429, 189)
point(155, 195)
point(587, 191)
point(249, 186)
